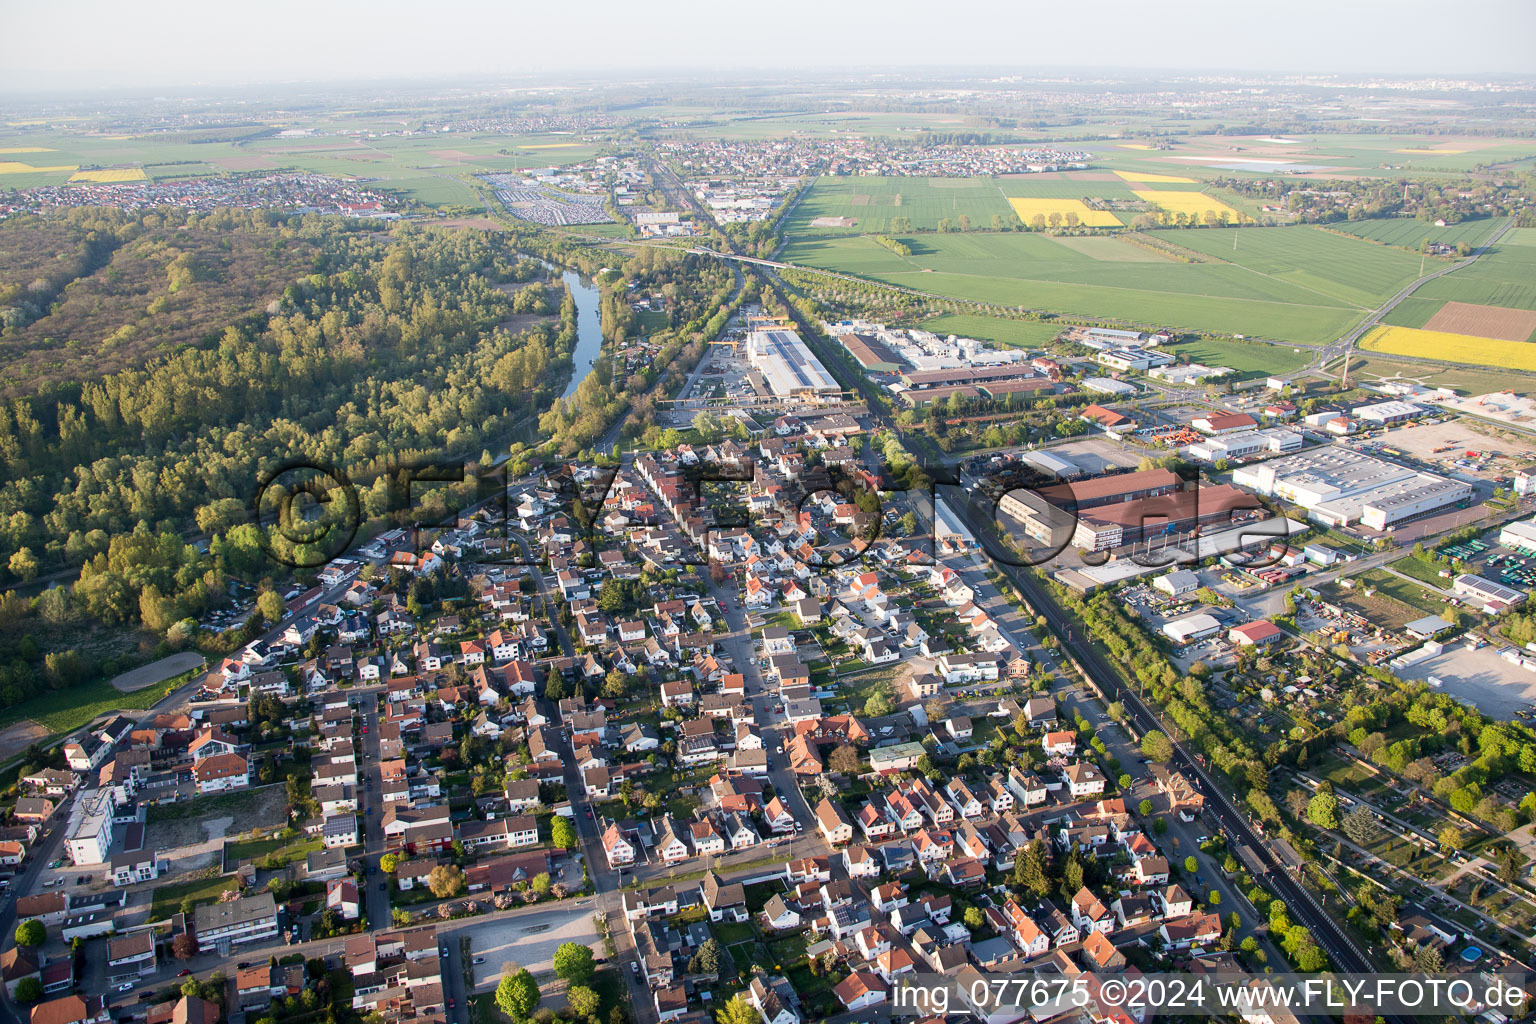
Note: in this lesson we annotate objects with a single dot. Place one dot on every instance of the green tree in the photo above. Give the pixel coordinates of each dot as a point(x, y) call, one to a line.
point(737, 1011)
point(29, 990)
point(583, 1001)
point(31, 933)
point(517, 995)
point(1323, 810)
point(1156, 746)
point(541, 883)
point(389, 862)
point(574, 962)
point(1191, 865)
point(562, 833)
point(271, 605)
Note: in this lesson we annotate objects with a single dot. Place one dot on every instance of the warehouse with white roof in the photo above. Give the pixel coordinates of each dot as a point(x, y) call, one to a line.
point(1340, 486)
point(788, 367)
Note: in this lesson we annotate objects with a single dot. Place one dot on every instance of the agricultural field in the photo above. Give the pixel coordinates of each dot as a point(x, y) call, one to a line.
point(1190, 204)
point(1293, 284)
point(425, 167)
point(1412, 233)
point(1319, 264)
point(1069, 211)
point(1484, 321)
point(1010, 333)
point(875, 202)
point(1505, 275)
point(1458, 348)
point(109, 175)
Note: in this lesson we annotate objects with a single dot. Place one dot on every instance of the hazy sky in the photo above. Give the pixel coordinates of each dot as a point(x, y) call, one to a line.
point(91, 43)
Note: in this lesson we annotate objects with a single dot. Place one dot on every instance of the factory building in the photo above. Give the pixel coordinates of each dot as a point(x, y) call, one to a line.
point(788, 367)
point(1133, 358)
point(1242, 445)
point(871, 353)
point(1192, 627)
point(1495, 597)
point(1386, 413)
point(1519, 536)
point(1338, 486)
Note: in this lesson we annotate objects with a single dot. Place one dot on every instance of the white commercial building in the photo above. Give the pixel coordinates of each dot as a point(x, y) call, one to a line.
point(788, 367)
point(1520, 536)
point(1339, 486)
point(1495, 597)
point(1180, 581)
point(1107, 386)
point(1192, 627)
point(1388, 412)
point(1249, 442)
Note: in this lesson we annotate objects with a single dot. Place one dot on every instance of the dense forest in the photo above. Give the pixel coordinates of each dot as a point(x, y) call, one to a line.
point(389, 345)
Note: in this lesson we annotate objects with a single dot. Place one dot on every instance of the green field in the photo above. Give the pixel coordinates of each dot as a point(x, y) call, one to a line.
point(1503, 276)
point(874, 202)
point(1323, 265)
point(1411, 233)
point(433, 169)
point(61, 711)
point(1248, 359)
point(1280, 283)
point(166, 899)
point(1014, 333)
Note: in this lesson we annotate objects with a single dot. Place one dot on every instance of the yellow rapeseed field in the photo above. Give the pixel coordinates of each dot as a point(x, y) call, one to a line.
point(1193, 203)
point(1156, 179)
point(1456, 348)
point(1135, 145)
point(552, 145)
point(25, 149)
point(1027, 208)
point(1431, 152)
point(110, 175)
point(16, 167)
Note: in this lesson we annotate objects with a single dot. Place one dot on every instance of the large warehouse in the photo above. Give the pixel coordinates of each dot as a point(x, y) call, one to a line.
point(1338, 486)
point(788, 366)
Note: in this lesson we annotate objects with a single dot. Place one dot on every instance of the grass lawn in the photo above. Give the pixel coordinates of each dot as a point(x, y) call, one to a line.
point(255, 849)
point(63, 711)
point(167, 898)
point(1249, 360)
point(1411, 594)
point(1420, 569)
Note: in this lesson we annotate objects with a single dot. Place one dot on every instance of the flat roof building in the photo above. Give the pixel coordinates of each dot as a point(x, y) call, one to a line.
point(1339, 486)
point(1192, 627)
point(787, 365)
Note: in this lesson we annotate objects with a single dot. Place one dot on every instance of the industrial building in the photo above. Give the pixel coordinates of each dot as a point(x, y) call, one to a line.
point(1242, 445)
point(1192, 627)
point(1338, 487)
point(976, 375)
point(1495, 597)
point(1133, 358)
point(871, 353)
point(1385, 413)
point(1111, 526)
point(1223, 422)
point(1107, 386)
point(788, 367)
point(1188, 373)
point(1519, 536)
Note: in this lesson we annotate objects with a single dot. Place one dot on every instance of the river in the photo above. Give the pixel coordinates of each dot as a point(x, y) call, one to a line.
point(589, 327)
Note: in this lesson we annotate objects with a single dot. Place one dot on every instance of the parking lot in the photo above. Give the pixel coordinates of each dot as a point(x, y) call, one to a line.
point(530, 940)
point(1481, 678)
